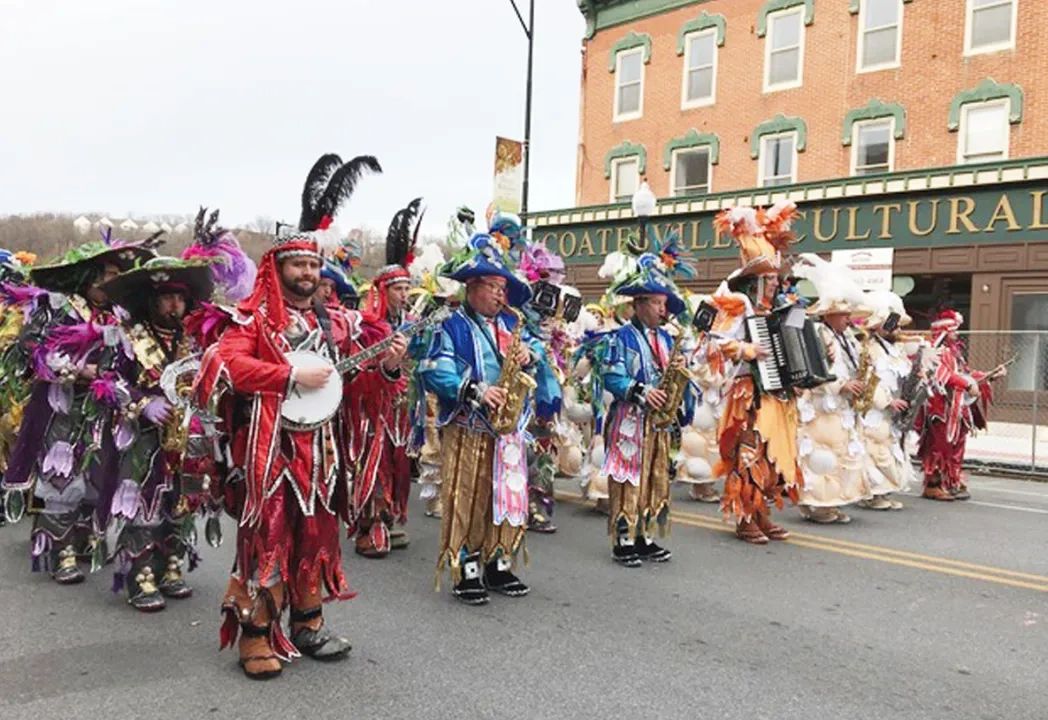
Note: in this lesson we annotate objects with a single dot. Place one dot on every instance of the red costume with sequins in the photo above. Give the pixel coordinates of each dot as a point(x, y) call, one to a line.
point(958, 404)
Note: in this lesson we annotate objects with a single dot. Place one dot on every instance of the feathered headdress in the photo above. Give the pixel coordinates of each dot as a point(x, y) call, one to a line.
point(329, 184)
point(762, 235)
point(838, 292)
point(233, 271)
point(400, 252)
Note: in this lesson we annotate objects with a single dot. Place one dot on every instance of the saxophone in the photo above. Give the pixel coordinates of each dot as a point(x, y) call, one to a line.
point(674, 382)
point(866, 375)
point(514, 381)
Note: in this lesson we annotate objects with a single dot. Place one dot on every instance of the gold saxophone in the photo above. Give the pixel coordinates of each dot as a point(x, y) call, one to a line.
point(514, 381)
point(866, 375)
point(674, 382)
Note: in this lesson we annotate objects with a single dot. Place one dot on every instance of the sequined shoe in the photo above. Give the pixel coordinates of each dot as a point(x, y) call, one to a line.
point(142, 592)
point(470, 589)
point(66, 571)
point(651, 552)
point(320, 644)
point(173, 584)
point(398, 539)
point(498, 578)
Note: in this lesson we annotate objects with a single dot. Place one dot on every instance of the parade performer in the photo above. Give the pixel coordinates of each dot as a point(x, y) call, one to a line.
point(758, 428)
point(886, 438)
point(832, 454)
point(644, 370)
point(165, 453)
point(958, 405)
point(481, 364)
point(382, 484)
point(699, 449)
point(288, 483)
point(65, 458)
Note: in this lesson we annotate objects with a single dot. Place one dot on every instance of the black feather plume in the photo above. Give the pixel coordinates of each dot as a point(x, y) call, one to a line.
point(198, 226)
point(400, 239)
point(341, 186)
point(316, 183)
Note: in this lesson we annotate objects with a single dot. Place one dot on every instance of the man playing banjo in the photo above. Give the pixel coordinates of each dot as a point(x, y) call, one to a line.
point(288, 482)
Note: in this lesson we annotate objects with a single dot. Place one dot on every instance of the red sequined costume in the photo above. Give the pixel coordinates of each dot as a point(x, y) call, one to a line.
point(958, 404)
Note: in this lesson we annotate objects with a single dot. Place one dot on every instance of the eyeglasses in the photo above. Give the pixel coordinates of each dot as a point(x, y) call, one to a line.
point(493, 286)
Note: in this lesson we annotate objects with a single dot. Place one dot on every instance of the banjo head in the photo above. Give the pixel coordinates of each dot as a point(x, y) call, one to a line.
point(305, 409)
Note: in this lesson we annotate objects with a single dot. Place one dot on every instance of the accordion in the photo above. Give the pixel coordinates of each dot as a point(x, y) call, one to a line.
point(796, 354)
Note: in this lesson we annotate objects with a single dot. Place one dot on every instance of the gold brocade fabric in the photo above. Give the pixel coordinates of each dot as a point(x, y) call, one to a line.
point(465, 493)
point(644, 507)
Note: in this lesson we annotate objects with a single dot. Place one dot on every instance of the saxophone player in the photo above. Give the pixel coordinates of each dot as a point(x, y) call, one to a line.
point(640, 366)
point(480, 365)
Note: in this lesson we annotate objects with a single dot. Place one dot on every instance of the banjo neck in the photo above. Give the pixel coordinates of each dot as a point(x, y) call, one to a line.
point(372, 351)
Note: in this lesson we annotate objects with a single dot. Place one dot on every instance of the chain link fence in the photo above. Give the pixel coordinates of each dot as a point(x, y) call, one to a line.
point(1016, 440)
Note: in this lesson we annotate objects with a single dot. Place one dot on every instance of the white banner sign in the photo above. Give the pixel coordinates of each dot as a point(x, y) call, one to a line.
point(509, 175)
point(872, 267)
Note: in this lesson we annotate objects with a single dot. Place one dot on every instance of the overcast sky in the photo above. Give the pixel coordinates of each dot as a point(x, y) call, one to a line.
point(156, 106)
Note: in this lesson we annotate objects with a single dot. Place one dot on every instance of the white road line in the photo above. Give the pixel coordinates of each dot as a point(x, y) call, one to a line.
point(991, 488)
point(1008, 507)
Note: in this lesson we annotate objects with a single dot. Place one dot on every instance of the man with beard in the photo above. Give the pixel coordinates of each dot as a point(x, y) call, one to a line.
point(288, 485)
point(165, 454)
point(79, 357)
point(383, 485)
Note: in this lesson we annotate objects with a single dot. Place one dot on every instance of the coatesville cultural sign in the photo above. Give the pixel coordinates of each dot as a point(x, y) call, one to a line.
point(969, 217)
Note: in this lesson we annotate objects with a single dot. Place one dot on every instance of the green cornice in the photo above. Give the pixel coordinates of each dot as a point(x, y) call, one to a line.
point(603, 14)
point(853, 6)
point(628, 42)
point(702, 22)
point(692, 139)
point(872, 110)
point(771, 6)
point(626, 149)
point(779, 123)
point(988, 89)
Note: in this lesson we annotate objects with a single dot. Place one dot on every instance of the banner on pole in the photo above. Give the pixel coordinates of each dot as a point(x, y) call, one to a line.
point(509, 175)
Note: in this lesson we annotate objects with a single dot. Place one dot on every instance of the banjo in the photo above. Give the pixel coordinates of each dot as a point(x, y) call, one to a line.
point(306, 409)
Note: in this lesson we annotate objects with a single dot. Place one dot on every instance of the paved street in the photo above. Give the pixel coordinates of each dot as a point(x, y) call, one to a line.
point(938, 611)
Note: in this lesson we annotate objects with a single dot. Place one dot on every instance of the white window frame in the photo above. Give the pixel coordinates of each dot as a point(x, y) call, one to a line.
point(685, 103)
point(623, 117)
point(962, 132)
point(768, 87)
point(861, 42)
point(855, 142)
point(969, 19)
point(709, 168)
point(760, 156)
point(615, 164)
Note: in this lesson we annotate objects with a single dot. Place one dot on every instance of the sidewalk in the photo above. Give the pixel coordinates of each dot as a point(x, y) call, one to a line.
point(1010, 445)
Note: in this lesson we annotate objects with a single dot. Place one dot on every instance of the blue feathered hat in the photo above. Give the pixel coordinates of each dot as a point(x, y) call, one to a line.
point(333, 271)
point(650, 279)
point(482, 257)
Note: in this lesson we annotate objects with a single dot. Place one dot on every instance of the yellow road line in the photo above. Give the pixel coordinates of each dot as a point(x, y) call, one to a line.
point(987, 573)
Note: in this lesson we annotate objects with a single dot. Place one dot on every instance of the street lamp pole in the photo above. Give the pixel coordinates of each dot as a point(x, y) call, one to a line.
point(529, 32)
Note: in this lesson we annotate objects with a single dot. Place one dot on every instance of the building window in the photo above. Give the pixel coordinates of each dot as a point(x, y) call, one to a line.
point(784, 50)
point(778, 160)
point(625, 179)
point(984, 132)
point(989, 26)
point(873, 147)
point(629, 84)
point(691, 171)
point(880, 33)
point(700, 69)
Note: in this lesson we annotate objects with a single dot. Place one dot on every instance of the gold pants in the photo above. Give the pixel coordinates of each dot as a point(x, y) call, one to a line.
point(647, 504)
point(465, 492)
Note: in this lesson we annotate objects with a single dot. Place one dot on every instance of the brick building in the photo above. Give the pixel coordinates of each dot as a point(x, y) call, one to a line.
point(919, 125)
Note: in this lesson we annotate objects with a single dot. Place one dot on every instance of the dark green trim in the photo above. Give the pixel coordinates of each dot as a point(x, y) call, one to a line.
point(630, 41)
point(626, 149)
point(949, 172)
point(988, 89)
point(603, 14)
point(771, 6)
point(703, 22)
point(853, 6)
point(692, 139)
point(872, 110)
point(778, 124)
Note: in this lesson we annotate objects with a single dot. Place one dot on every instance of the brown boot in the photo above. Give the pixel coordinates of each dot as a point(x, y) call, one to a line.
point(749, 531)
point(937, 492)
point(257, 658)
point(770, 529)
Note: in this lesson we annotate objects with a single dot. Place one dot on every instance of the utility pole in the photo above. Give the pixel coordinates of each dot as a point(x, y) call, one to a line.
point(529, 32)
